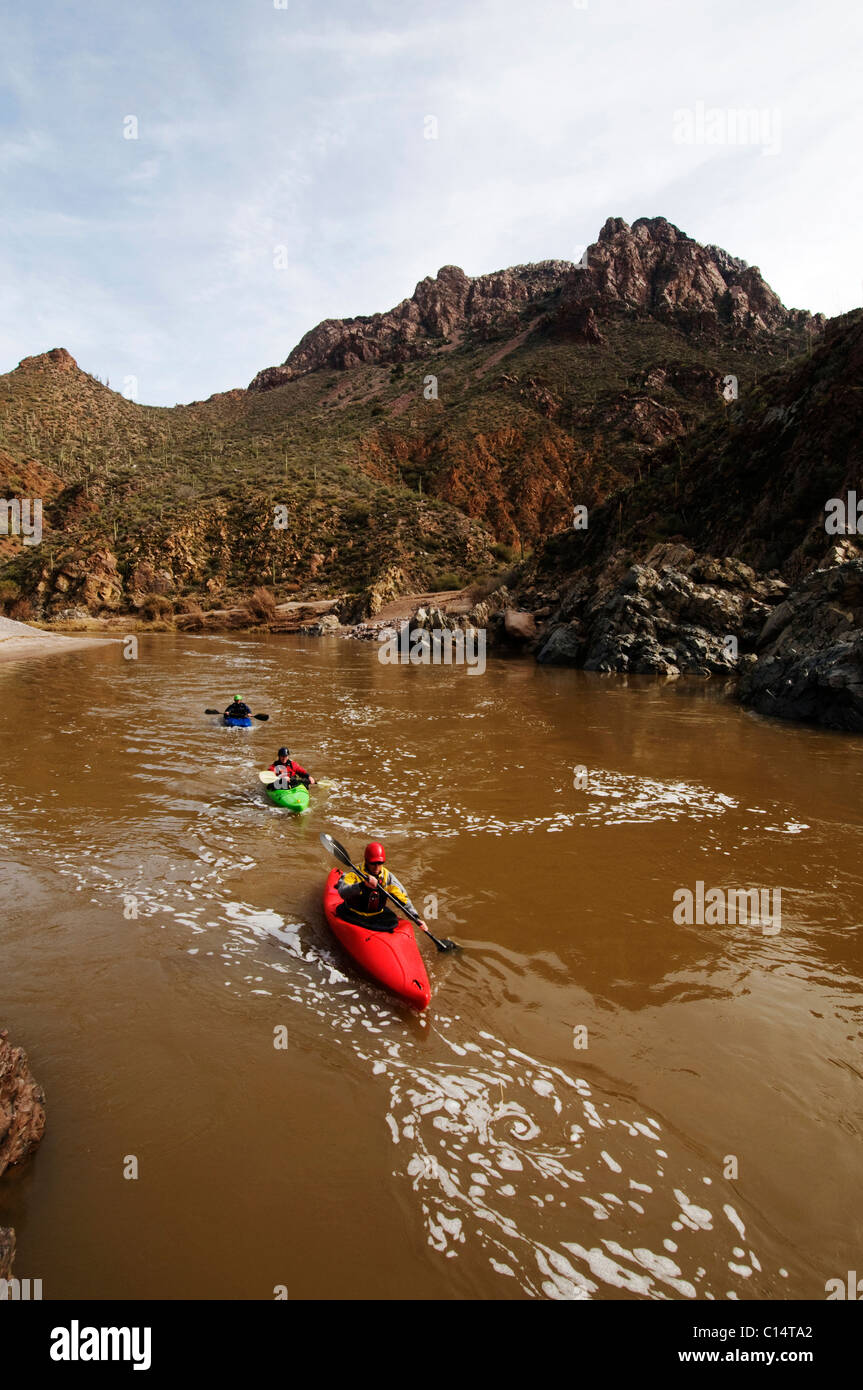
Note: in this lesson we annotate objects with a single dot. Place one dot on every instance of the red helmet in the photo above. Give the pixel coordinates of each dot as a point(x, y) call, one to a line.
point(375, 853)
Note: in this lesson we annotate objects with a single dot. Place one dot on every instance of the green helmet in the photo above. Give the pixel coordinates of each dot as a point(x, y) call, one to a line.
point(237, 699)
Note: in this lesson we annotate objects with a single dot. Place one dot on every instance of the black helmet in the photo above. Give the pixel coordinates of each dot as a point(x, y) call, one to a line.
point(283, 753)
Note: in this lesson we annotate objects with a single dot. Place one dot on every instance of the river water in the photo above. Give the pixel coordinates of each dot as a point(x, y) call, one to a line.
point(599, 1103)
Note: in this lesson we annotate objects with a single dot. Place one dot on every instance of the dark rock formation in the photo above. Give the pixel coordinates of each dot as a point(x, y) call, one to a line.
point(799, 652)
point(676, 612)
point(810, 653)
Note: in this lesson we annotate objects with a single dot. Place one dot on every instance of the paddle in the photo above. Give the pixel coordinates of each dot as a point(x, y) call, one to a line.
point(262, 717)
point(342, 855)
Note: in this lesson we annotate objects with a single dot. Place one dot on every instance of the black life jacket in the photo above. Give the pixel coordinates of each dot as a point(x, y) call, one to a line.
point(370, 900)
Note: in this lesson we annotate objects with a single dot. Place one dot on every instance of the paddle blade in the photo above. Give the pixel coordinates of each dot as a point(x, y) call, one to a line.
point(268, 777)
point(333, 847)
point(212, 711)
point(442, 943)
point(263, 717)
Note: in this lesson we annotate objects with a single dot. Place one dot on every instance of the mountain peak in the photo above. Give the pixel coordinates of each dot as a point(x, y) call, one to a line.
point(654, 268)
point(57, 359)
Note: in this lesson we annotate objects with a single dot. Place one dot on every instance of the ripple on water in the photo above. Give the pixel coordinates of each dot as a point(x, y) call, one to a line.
point(568, 1194)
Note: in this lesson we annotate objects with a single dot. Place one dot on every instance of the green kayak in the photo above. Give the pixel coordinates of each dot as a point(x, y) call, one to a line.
point(292, 798)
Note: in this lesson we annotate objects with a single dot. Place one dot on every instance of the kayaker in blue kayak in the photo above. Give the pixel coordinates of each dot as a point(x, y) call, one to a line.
point(362, 901)
point(237, 709)
point(288, 773)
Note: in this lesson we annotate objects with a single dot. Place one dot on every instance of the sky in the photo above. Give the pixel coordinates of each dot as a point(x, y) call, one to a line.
point(186, 188)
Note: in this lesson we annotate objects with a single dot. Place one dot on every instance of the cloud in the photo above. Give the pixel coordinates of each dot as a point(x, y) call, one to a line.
point(262, 128)
point(31, 147)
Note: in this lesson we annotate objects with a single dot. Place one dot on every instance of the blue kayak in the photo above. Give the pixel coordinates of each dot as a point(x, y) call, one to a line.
point(232, 723)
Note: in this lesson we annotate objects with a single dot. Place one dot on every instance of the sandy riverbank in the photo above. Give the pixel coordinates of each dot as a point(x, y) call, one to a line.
point(20, 641)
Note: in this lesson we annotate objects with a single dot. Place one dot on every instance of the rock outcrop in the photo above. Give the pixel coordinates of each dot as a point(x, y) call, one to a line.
point(810, 653)
point(654, 268)
point(798, 652)
point(22, 1105)
point(441, 309)
point(22, 1123)
point(56, 359)
point(676, 612)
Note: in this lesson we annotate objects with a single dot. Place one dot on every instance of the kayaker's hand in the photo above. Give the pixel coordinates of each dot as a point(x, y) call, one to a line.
point(313, 781)
point(373, 881)
point(423, 926)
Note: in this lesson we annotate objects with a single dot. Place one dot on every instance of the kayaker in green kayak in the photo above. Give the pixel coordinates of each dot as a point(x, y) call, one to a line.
point(288, 773)
point(362, 901)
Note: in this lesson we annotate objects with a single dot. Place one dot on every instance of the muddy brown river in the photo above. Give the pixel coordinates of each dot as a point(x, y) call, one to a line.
point(601, 1102)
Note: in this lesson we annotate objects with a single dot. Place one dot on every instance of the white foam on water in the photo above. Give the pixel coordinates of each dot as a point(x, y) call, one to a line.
point(735, 1220)
point(699, 1216)
point(489, 1141)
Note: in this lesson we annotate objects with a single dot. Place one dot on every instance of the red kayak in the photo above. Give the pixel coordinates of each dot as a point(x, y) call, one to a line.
point(392, 958)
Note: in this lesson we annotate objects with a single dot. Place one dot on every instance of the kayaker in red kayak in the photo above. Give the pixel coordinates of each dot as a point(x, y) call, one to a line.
point(289, 773)
point(362, 901)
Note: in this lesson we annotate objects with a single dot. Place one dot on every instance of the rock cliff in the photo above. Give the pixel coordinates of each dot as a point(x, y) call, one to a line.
point(22, 1123)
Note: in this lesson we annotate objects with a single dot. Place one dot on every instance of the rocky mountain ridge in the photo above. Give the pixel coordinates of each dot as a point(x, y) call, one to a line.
point(555, 385)
point(651, 268)
point(440, 308)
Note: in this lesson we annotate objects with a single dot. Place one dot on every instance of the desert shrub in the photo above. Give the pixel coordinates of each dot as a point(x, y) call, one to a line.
point(482, 587)
point(447, 580)
point(21, 609)
point(155, 606)
point(9, 592)
point(188, 605)
point(261, 606)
